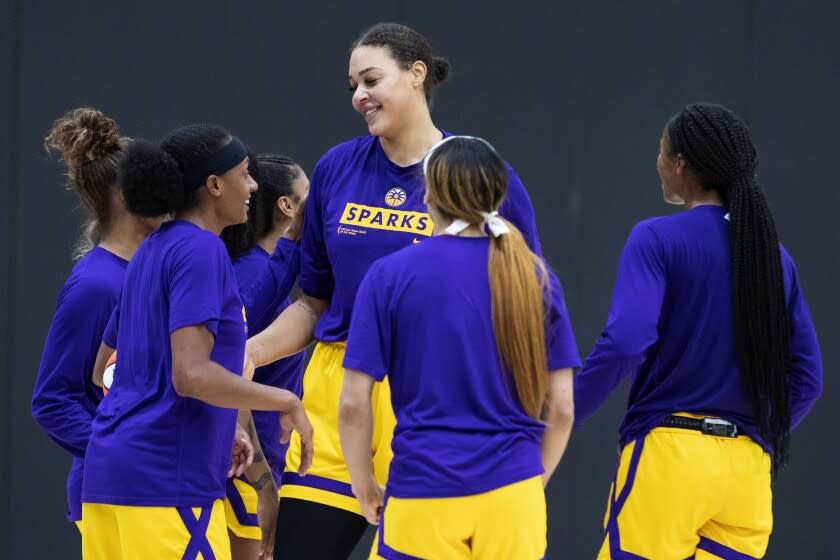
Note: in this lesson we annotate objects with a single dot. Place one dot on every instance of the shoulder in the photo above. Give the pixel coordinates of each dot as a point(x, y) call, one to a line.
point(96, 275)
point(345, 152)
point(653, 228)
point(251, 260)
point(515, 186)
point(199, 239)
point(648, 236)
point(187, 242)
point(255, 255)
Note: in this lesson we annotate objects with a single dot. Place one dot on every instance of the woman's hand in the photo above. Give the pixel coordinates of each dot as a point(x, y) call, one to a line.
point(371, 497)
point(242, 454)
point(299, 422)
point(267, 504)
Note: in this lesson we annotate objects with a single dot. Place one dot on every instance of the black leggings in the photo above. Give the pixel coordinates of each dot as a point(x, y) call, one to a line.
point(312, 531)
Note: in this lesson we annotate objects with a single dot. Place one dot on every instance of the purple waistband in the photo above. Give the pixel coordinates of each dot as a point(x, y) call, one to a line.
point(319, 482)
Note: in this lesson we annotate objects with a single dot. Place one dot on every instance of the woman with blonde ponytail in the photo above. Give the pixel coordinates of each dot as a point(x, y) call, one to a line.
point(472, 330)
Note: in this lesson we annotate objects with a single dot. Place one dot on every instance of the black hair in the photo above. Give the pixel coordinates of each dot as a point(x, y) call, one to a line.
point(274, 175)
point(716, 145)
point(407, 46)
point(152, 177)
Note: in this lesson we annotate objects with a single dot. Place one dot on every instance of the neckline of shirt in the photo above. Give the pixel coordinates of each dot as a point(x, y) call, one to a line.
point(114, 256)
point(413, 168)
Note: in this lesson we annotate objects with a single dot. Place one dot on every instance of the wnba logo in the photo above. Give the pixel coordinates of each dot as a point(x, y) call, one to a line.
point(395, 197)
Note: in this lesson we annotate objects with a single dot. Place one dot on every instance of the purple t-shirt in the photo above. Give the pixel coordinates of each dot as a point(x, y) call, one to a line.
point(286, 373)
point(423, 318)
point(64, 399)
point(361, 207)
point(150, 446)
point(670, 327)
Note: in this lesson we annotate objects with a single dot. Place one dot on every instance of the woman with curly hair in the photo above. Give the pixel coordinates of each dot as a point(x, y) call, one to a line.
point(64, 399)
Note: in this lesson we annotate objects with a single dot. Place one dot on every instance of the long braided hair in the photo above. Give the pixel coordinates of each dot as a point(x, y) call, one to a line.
point(716, 145)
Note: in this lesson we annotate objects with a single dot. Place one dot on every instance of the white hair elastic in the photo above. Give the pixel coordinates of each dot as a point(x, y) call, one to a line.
point(492, 221)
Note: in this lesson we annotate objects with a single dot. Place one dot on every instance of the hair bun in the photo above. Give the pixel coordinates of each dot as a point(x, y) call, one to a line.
point(83, 135)
point(440, 69)
point(151, 180)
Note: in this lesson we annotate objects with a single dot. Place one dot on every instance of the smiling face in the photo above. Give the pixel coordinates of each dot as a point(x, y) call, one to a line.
point(384, 94)
point(234, 194)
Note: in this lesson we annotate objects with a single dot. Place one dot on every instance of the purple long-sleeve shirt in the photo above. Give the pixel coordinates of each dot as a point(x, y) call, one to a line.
point(670, 328)
point(265, 306)
point(64, 399)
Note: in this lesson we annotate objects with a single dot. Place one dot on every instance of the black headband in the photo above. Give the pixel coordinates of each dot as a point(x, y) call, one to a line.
point(218, 163)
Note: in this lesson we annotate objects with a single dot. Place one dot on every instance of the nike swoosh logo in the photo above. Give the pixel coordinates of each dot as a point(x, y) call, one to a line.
point(415, 241)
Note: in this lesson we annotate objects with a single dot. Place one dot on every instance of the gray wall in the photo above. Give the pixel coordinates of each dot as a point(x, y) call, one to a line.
point(574, 94)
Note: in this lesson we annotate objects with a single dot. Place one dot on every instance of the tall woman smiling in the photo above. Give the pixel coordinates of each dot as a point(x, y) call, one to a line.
point(365, 202)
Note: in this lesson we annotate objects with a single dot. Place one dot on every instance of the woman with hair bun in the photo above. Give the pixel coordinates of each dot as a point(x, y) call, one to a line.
point(160, 446)
point(366, 201)
point(64, 399)
point(481, 381)
point(709, 320)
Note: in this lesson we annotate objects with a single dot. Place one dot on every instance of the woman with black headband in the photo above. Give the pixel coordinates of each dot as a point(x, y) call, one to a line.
point(709, 320)
point(161, 442)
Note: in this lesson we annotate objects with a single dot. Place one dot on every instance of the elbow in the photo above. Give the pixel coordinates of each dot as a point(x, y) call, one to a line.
point(625, 343)
point(561, 413)
point(350, 410)
point(43, 410)
point(184, 383)
point(40, 417)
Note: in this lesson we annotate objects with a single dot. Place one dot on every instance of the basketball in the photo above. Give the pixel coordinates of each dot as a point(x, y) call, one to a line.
point(108, 374)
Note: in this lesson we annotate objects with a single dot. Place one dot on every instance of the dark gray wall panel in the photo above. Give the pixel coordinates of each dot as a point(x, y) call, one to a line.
point(574, 94)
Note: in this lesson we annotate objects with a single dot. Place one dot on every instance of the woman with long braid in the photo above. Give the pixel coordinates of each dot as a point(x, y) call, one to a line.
point(709, 320)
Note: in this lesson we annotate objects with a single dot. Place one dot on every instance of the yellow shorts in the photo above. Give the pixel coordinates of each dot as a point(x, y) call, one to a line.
point(141, 532)
point(508, 522)
point(328, 481)
point(241, 509)
point(80, 527)
point(681, 494)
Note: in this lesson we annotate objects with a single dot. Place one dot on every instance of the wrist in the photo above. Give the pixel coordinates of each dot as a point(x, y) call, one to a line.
point(265, 484)
point(288, 402)
point(366, 489)
point(254, 351)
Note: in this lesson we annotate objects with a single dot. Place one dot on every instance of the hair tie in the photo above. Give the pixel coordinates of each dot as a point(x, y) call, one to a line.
point(495, 224)
point(492, 221)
